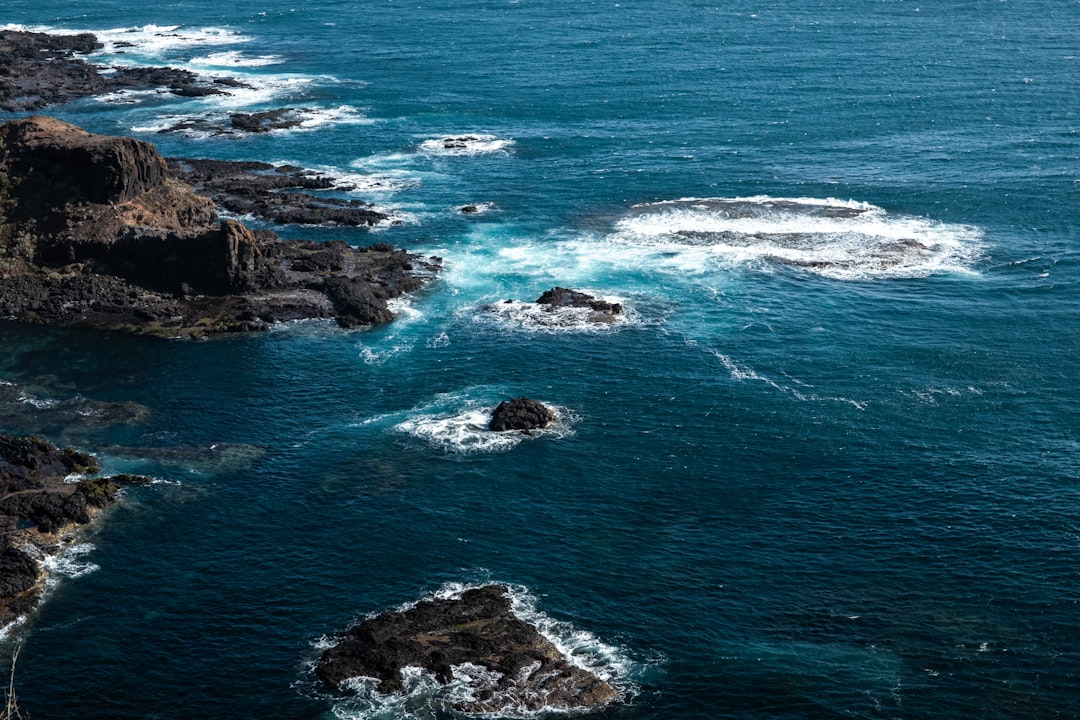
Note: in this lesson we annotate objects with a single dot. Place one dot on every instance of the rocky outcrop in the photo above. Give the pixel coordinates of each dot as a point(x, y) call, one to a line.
point(521, 413)
point(94, 232)
point(560, 297)
point(36, 506)
point(37, 69)
point(271, 192)
point(527, 672)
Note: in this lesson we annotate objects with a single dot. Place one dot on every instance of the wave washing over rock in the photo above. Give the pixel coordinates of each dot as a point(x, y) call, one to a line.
point(557, 310)
point(457, 424)
point(474, 650)
point(843, 240)
point(465, 145)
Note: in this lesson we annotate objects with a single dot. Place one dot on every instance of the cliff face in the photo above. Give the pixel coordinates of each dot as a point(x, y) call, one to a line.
point(89, 220)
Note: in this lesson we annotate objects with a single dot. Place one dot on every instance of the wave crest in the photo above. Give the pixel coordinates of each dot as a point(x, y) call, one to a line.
point(845, 240)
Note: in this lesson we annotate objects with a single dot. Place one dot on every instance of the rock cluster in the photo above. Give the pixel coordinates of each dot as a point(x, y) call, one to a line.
point(270, 192)
point(36, 504)
point(41, 69)
point(529, 672)
point(96, 232)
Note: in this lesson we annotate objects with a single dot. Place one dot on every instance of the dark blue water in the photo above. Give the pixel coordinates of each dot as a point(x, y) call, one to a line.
point(826, 467)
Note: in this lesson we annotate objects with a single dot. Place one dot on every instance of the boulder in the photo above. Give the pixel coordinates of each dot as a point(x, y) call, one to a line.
point(560, 297)
point(527, 672)
point(521, 413)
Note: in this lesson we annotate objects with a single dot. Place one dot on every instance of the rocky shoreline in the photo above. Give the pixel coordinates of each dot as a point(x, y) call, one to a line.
point(96, 232)
point(39, 512)
point(42, 69)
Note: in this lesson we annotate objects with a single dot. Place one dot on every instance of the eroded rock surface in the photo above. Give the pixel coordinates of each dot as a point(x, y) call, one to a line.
point(39, 69)
point(95, 232)
point(36, 505)
point(521, 413)
point(528, 673)
point(560, 297)
point(274, 193)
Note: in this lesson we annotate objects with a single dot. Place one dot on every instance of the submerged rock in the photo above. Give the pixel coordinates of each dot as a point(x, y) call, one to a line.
point(526, 672)
point(521, 413)
point(97, 233)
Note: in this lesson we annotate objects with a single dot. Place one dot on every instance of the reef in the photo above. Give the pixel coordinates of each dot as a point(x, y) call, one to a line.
point(271, 192)
point(560, 297)
point(521, 670)
point(38, 69)
point(38, 508)
point(96, 232)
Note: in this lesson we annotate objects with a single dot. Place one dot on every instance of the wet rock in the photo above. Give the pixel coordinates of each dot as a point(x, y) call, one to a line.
point(560, 297)
point(521, 413)
point(528, 673)
point(36, 503)
point(39, 69)
point(273, 193)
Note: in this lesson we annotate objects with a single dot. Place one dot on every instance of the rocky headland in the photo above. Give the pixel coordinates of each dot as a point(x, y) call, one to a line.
point(96, 232)
point(525, 671)
point(38, 508)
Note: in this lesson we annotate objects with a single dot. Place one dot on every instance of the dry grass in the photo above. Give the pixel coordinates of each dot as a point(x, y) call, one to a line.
point(11, 702)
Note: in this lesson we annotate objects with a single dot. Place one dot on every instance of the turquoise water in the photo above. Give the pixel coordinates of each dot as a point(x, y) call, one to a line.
point(825, 467)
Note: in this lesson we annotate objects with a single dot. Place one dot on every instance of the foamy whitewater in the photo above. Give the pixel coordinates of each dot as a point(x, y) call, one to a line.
point(425, 698)
point(822, 466)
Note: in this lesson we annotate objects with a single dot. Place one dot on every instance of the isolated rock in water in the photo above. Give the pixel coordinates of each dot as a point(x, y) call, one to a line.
point(521, 413)
point(526, 671)
point(560, 297)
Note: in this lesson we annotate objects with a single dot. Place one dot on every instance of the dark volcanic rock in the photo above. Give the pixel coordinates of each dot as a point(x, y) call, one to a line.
point(37, 69)
point(90, 168)
point(477, 628)
point(560, 297)
point(93, 232)
point(269, 192)
point(521, 413)
point(33, 491)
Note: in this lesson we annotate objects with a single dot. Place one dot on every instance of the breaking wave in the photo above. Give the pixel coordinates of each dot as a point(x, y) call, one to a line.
point(425, 699)
point(843, 240)
point(457, 423)
point(465, 145)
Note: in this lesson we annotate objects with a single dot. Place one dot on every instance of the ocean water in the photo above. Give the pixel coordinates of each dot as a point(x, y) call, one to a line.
point(825, 466)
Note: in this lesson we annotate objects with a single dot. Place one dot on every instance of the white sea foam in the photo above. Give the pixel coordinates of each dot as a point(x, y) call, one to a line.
point(235, 59)
point(458, 424)
point(69, 562)
point(149, 40)
point(217, 122)
point(468, 144)
point(803, 393)
point(844, 240)
point(424, 697)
